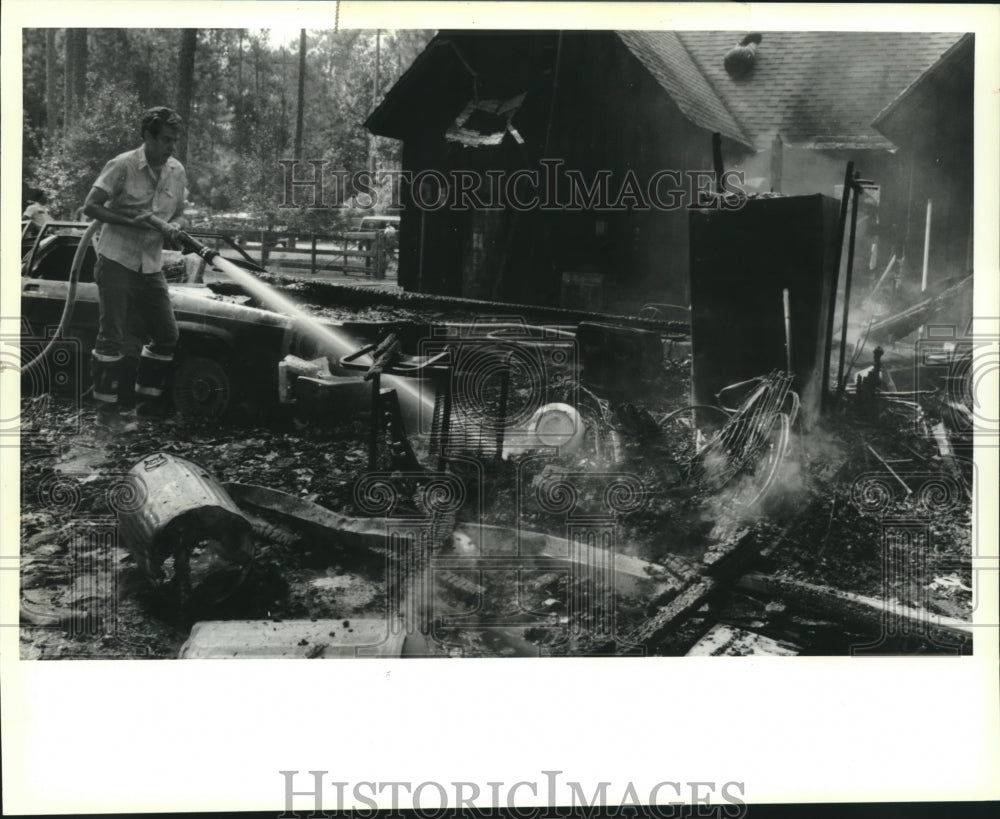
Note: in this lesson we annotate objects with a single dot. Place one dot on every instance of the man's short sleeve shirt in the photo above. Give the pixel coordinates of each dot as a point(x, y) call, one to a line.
point(130, 182)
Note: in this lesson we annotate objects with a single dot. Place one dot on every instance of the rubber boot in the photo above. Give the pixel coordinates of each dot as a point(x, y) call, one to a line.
point(126, 382)
point(151, 383)
point(106, 374)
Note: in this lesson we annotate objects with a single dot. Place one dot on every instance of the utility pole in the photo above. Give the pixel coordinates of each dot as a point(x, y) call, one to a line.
point(300, 103)
point(375, 90)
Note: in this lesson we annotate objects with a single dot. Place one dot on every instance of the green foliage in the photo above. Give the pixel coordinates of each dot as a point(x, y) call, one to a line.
point(33, 48)
point(69, 163)
point(243, 111)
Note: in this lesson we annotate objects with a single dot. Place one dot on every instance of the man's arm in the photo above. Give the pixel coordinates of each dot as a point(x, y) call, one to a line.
point(178, 220)
point(127, 217)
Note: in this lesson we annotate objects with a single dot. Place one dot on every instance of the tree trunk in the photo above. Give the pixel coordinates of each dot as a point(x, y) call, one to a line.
point(283, 122)
point(300, 104)
point(80, 72)
point(69, 60)
point(185, 86)
point(256, 69)
point(239, 67)
point(76, 73)
point(51, 87)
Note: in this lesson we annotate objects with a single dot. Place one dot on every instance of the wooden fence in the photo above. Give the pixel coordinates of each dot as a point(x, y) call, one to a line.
point(362, 253)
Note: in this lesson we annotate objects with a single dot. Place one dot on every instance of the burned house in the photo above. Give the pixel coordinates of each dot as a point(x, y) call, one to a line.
point(932, 123)
point(612, 133)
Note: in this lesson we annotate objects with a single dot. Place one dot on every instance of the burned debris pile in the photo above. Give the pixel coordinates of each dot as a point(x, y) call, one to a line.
point(442, 484)
point(614, 517)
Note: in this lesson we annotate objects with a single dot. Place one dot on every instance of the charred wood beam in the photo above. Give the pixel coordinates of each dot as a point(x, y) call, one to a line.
point(870, 613)
point(907, 321)
point(731, 555)
point(383, 356)
point(330, 294)
point(725, 562)
point(669, 617)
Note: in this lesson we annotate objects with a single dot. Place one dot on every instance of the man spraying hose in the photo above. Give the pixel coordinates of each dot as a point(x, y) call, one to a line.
point(132, 291)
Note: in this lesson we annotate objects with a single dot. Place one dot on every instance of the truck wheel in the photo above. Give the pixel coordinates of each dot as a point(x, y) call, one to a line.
point(201, 388)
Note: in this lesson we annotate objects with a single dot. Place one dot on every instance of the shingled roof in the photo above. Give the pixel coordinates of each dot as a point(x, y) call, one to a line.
point(667, 59)
point(813, 89)
point(913, 118)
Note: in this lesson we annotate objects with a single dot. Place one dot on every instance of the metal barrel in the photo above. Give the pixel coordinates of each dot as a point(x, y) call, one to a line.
point(184, 530)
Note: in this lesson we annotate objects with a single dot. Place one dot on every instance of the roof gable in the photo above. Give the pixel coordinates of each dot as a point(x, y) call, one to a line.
point(813, 89)
point(668, 61)
point(817, 89)
point(914, 116)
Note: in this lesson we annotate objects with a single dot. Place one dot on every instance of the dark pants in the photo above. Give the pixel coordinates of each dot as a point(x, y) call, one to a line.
point(130, 301)
point(134, 307)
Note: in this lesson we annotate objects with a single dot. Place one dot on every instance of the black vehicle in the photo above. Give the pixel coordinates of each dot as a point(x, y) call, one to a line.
point(227, 353)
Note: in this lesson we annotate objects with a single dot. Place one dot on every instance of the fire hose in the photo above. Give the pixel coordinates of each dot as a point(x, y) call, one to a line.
point(67, 313)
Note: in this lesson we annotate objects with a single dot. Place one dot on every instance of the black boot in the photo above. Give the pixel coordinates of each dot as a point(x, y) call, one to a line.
point(126, 383)
point(106, 374)
point(151, 384)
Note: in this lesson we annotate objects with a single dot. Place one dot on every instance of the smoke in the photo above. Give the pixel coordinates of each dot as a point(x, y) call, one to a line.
point(780, 485)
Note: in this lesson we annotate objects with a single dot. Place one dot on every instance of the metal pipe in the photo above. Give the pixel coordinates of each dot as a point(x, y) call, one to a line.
point(847, 290)
point(831, 314)
point(788, 331)
point(927, 247)
point(927, 252)
point(502, 408)
point(420, 255)
point(890, 469)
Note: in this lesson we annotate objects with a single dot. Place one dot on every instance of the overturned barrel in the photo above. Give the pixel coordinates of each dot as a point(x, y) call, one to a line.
point(184, 531)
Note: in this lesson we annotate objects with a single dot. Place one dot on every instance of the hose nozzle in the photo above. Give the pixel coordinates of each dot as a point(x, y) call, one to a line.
point(191, 245)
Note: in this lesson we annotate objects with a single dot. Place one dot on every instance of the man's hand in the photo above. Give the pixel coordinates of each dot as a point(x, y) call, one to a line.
point(139, 219)
point(96, 208)
point(174, 232)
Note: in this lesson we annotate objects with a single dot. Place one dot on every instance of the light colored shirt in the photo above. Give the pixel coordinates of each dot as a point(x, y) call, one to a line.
point(130, 182)
point(37, 214)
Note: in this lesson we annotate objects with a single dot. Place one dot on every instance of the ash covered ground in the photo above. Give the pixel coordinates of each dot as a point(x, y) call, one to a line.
point(822, 522)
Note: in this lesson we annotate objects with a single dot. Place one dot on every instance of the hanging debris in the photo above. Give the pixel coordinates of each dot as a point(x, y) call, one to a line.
point(739, 61)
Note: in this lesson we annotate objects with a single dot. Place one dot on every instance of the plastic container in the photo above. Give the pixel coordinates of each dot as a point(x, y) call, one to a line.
point(558, 425)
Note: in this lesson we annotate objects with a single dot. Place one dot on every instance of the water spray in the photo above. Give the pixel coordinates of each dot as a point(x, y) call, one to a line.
point(324, 335)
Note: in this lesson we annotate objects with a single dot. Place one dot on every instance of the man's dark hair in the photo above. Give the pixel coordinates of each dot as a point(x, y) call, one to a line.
point(155, 119)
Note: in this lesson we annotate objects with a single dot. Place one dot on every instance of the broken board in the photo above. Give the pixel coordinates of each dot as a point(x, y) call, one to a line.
point(294, 639)
point(729, 641)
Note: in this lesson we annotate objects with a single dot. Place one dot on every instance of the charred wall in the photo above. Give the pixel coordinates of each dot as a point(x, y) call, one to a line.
point(599, 112)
